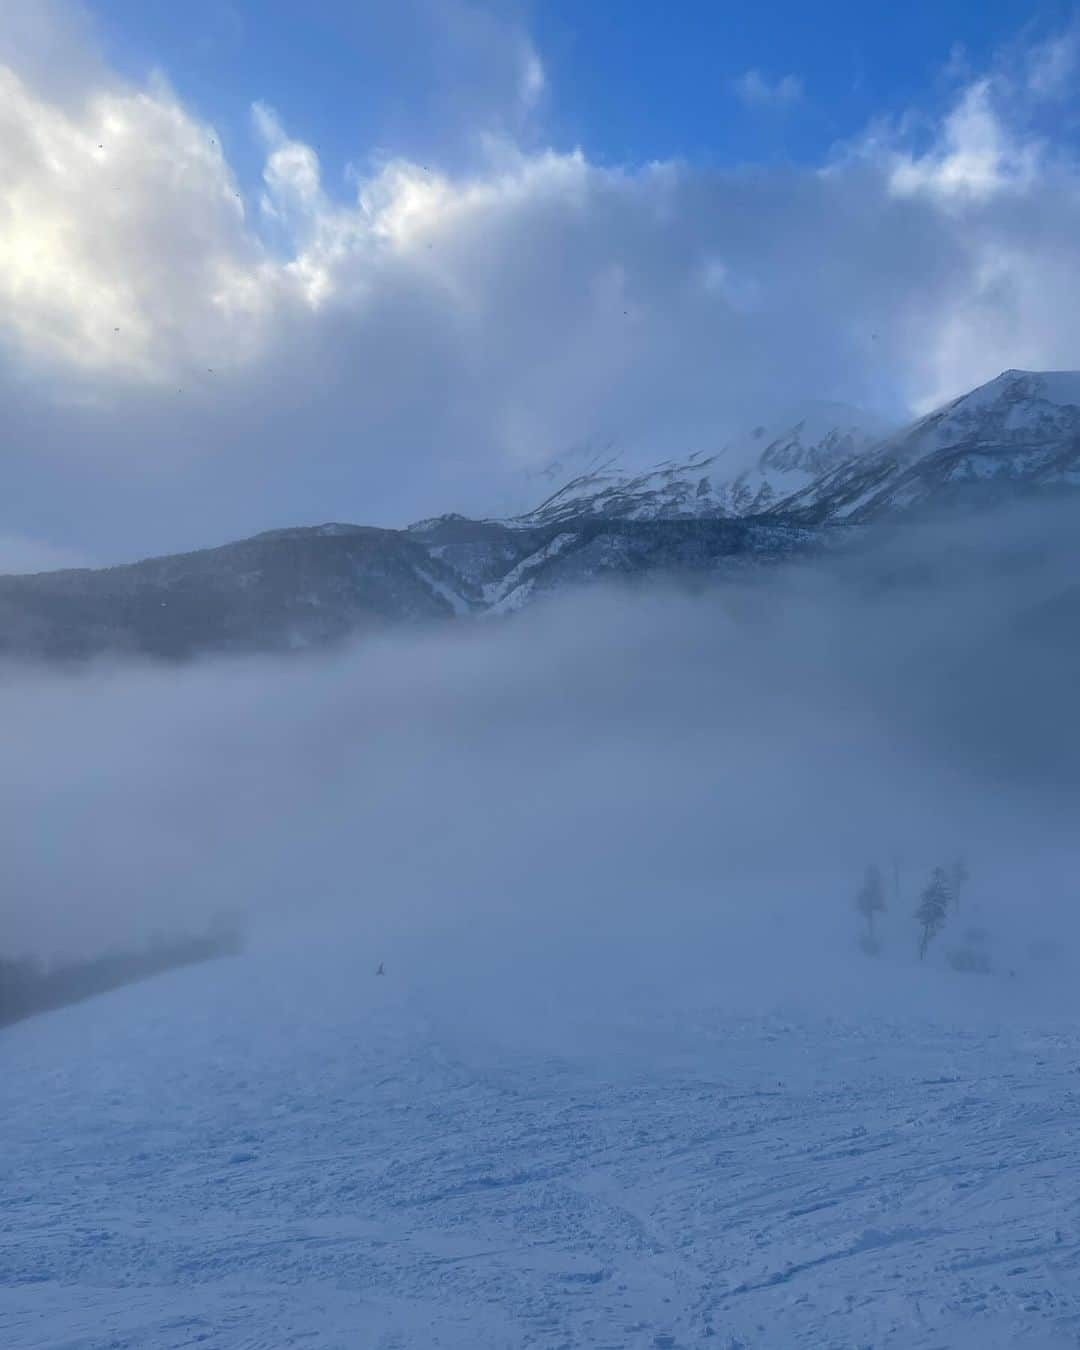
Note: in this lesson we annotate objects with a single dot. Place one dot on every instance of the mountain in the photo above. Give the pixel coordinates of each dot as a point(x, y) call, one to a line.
point(1018, 435)
point(680, 515)
point(747, 478)
point(1015, 437)
point(505, 565)
point(312, 587)
point(278, 591)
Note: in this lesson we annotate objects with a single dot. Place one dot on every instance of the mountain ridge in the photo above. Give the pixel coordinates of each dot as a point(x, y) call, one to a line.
point(1021, 429)
point(781, 460)
point(311, 586)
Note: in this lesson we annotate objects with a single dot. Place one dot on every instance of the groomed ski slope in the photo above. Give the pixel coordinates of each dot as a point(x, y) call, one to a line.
point(284, 1151)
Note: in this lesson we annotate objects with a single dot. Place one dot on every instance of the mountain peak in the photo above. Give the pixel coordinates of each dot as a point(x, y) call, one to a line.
point(1060, 387)
point(1017, 434)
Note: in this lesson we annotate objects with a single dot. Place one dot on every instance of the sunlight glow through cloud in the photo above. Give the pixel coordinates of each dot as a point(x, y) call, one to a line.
point(466, 317)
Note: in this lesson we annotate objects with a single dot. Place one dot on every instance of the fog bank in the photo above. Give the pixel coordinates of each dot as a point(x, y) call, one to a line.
point(647, 780)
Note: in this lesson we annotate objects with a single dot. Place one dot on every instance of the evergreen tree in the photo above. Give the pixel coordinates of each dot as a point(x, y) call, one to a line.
point(933, 907)
point(870, 900)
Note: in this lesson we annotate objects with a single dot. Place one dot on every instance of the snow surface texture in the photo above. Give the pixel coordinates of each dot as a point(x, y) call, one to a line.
point(273, 1152)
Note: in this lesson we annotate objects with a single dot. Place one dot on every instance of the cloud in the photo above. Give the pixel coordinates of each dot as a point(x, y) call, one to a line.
point(472, 67)
point(758, 91)
point(621, 786)
point(975, 156)
point(122, 237)
point(181, 363)
point(533, 80)
point(1051, 65)
point(53, 44)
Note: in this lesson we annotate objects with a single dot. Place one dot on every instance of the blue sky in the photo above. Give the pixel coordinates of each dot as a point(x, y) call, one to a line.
point(268, 263)
point(653, 80)
point(628, 82)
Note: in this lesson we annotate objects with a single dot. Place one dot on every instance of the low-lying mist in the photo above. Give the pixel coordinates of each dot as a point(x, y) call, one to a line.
point(614, 787)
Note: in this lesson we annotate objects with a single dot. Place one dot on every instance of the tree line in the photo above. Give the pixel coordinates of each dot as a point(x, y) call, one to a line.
point(28, 986)
point(939, 897)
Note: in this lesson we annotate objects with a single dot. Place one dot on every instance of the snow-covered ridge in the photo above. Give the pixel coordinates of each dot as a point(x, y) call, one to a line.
point(747, 477)
point(1018, 432)
point(1018, 409)
point(514, 589)
point(1060, 387)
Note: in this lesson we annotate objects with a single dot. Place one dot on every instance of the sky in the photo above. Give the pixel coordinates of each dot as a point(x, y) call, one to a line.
point(627, 83)
point(263, 264)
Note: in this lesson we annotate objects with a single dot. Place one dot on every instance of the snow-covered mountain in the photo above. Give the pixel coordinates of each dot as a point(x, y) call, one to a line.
point(745, 478)
point(1016, 435)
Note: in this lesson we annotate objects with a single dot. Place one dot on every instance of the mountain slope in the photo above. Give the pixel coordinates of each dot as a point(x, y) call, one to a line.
point(293, 589)
point(510, 565)
point(290, 1152)
point(278, 591)
point(775, 464)
point(1015, 436)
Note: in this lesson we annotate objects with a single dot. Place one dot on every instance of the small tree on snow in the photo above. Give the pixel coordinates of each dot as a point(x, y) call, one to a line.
point(933, 907)
point(870, 900)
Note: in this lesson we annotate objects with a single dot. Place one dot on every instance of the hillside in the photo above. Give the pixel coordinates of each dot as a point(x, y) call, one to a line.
point(288, 1151)
point(276, 592)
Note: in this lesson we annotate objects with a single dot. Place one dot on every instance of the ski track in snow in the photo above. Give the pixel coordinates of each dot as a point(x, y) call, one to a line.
point(230, 1159)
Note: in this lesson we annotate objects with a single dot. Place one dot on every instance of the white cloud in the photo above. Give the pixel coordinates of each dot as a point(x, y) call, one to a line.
point(292, 173)
point(533, 80)
point(975, 156)
point(1051, 65)
point(181, 367)
point(758, 91)
point(122, 239)
point(53, 45)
